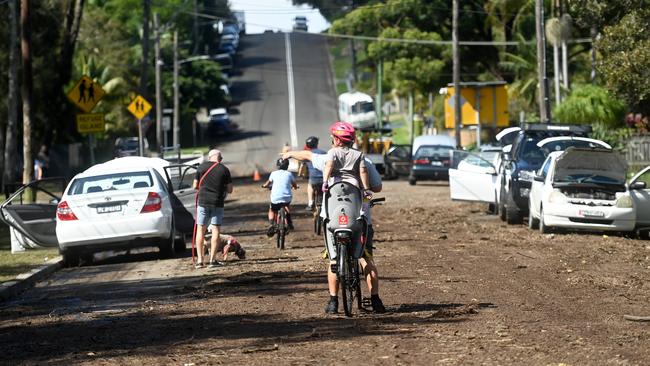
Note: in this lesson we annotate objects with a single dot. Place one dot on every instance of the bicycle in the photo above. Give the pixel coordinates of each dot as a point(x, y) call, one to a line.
point(349, 235)
point(281, 223)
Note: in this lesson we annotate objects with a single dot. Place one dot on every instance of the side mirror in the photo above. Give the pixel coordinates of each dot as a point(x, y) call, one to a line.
point(538, 178)
point(638, 185)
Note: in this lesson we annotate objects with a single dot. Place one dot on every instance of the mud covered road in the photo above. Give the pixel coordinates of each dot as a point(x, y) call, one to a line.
point(461, 288)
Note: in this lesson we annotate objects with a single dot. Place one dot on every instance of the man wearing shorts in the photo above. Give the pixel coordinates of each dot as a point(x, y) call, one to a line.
point(213, 182)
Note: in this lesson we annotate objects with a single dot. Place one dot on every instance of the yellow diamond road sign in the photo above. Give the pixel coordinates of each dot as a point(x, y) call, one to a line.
point(90, 123)
point(86, 94)
point(139, 107)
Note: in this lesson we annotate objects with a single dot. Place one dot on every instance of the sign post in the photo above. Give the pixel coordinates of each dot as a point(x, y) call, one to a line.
point(139, 108)
point(85, 94)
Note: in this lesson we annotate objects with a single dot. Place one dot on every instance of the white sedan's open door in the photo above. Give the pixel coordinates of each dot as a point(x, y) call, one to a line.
point(472, 178)
point(640, 193)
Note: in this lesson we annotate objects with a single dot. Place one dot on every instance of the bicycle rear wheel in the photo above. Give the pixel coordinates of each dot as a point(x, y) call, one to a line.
point(281, 229)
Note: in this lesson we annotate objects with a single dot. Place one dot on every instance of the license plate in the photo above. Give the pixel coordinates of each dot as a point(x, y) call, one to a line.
point(436, 163)
point(108, 209)
point(589, 213)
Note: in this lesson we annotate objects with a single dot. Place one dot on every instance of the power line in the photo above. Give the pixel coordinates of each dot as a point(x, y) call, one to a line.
point(394, 40)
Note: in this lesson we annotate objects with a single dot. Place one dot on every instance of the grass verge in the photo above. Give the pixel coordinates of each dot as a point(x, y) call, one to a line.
point(12, 265)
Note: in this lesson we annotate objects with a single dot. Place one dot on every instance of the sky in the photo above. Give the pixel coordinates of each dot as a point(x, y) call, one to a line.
point(277, 15)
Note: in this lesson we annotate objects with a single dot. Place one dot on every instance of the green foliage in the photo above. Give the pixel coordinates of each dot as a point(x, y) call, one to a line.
point(616, 137)
point(589, 104)
point(625, 65)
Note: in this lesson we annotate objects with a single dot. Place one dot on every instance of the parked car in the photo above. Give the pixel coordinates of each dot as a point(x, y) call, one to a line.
point(397, 162)
point(107, 207)
point(583, 189)
point(219, 122)
point(129, 146)
point(523, 160)
point(227, 48)
point(300, 23)
point(229, 39)
point(506, 181)
point(225, 62)
point(431, 158)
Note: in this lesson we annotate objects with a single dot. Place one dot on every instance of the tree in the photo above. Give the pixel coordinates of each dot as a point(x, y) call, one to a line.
point(589, 104)
point(333, 9)
point(27, 88)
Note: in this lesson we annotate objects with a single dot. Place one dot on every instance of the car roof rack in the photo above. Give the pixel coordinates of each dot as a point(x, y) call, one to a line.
point(578, 129)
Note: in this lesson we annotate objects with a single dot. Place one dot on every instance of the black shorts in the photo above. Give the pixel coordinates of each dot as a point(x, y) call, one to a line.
point(275, 207)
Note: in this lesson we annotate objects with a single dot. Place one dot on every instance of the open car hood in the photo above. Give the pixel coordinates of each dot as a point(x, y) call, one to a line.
point(603, 162)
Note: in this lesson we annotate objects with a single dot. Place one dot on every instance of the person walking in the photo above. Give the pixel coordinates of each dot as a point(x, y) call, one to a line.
point(213, 183)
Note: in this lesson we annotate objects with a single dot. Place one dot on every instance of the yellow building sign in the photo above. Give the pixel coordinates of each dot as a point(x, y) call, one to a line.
point(90, 123)
point(484, 101)
point(85, 94)
point(139, 107)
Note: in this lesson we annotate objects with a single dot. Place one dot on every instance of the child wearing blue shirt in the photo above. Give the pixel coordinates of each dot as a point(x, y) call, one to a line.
point(282, 181)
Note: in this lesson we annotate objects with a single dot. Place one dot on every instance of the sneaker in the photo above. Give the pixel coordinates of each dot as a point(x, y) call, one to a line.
point(309, 208)
point(198, 265)
point(215, 264)
point(241, 253)
point(332, 307)
point(270, 231)
point(377, 305)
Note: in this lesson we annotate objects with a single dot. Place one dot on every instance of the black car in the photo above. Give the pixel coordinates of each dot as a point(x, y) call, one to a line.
point(520, 164)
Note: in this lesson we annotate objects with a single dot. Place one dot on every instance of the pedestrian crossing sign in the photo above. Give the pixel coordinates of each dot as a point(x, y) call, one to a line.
point(85, 94)
point(139, 107)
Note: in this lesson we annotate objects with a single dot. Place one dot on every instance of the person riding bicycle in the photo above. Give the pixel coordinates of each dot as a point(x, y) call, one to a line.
point(281, 182)
point(315, 175)
point(343, 163)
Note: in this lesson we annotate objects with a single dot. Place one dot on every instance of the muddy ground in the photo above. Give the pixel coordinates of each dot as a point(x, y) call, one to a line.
point(461, 288)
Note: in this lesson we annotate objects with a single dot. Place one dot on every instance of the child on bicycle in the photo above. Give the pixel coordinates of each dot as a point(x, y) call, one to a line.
point(281, 182)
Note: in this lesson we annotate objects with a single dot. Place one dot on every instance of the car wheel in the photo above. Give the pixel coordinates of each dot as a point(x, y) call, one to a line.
point(532, 222)
point(412, 181)
point(70, 259)
point(166, 245)
point(513, 215)
point(542, 226)
point(502, 205)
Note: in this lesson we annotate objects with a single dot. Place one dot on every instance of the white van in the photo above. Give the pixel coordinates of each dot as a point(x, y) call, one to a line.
point(358, 109)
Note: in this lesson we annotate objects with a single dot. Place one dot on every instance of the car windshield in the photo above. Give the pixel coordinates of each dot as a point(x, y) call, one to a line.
point(565, 144)
point(531, 153)
point(435, 152)
point(111, 182)
point(363, 107)
point(589, 178)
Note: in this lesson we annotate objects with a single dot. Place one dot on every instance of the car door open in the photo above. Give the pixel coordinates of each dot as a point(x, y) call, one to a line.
point(639, 188)
point(471, 178)
point(182, 195)
point(31, 212)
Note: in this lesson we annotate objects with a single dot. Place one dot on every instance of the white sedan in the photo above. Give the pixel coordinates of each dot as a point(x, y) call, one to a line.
point(124, 203)
point(582, 188)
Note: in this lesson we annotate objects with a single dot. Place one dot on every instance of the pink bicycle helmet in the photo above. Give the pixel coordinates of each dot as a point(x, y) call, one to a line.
point(343, 131)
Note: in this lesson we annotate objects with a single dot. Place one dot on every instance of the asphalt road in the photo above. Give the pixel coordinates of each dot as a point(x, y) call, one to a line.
point(261, 95)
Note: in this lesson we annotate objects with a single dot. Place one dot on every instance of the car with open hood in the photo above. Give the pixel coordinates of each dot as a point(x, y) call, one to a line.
point(583, 189)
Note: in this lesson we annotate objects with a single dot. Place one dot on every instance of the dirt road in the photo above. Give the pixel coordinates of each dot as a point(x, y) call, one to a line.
point(461, 288)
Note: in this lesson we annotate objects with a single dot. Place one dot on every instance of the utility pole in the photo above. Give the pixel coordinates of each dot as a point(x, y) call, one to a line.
point(176, 127)
point(196, 28)
point(544, 103)
point(26, 45)
point(9, 168)
point(159, 131)
point(456, 56)
point(144, 69)
point(380, 94)
point(353, 54)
